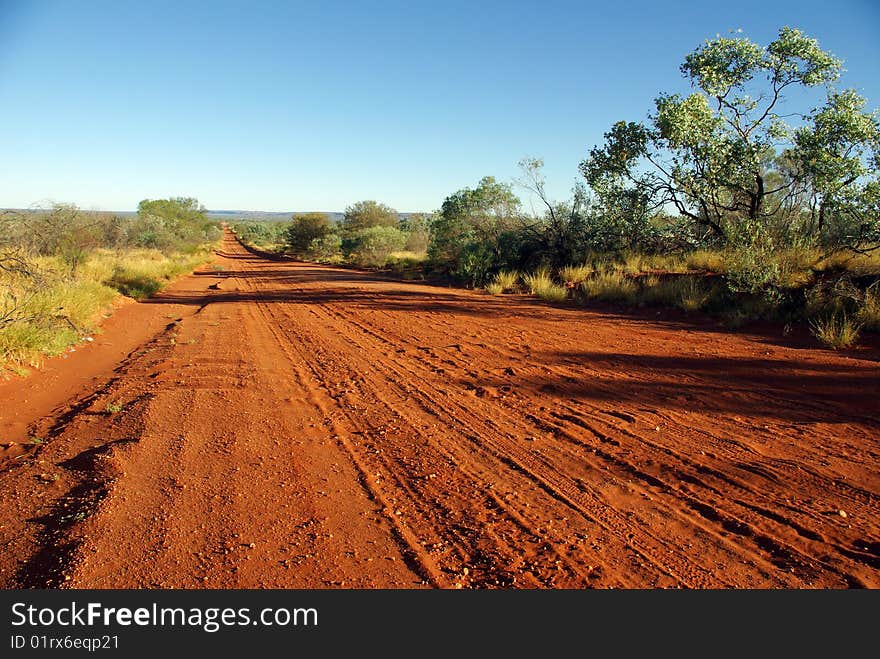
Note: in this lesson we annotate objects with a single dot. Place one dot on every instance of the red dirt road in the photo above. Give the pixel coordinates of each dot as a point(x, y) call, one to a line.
point(300, 426)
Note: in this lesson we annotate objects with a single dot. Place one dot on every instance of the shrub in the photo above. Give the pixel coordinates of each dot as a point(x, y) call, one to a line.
point(536, 280)
point(367, 215)
point(304, 230)
point(372, 246)
point(475, 262)
point(691, 294)
point(327, 248)
point(553, 293)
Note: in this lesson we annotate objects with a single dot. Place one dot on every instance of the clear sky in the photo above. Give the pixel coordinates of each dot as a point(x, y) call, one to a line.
point(314, 105)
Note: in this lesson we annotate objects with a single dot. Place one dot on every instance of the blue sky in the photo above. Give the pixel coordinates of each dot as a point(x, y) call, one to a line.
point(315, 105)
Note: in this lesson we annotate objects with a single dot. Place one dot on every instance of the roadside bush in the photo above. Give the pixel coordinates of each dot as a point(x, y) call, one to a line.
point(367, 215)
point(265, 235)
point(304, 230)
point(372, 246)
point(327, 248)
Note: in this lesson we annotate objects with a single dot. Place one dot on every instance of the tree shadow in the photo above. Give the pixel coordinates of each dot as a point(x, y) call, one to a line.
point(781, 389)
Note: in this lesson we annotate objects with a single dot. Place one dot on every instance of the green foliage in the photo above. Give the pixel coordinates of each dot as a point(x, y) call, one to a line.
point(508, 280)
point(869, 311)
point(541, 284)
point(610, 286)
point(172, 224)
point(373, 245)
point(417, 227)
point(326, 248)
point(726, 155)
point(469, 235)
point(306, 229)
point(752, 266)
point(57, 274)
point(575, 275)
point(114, 407)
point(262, 235)
point(368, 214)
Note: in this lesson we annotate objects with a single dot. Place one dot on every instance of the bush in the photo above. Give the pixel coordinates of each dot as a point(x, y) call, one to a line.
point(327, 248)
point(305, 229)
point(262, 235)
point(367, 215)
point(552, 293)
point(372, 246)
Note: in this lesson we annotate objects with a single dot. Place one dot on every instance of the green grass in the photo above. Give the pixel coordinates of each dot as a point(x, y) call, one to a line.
point(541, 284)
point(142, 273)
point(575, 275)
point(504, 282)
point(679, 291)
point(610, 286)
point(535, 281)
point(494, 288)
point(837, 331)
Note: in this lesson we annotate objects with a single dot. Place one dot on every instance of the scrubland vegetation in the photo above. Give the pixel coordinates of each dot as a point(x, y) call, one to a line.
point(62, 268)
point(720, 201)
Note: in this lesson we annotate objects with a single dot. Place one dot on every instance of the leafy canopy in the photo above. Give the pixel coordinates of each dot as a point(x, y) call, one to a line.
point(728, 156)
point(366, 214)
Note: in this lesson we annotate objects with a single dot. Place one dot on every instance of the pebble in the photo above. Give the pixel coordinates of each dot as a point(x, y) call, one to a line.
point(842, 513)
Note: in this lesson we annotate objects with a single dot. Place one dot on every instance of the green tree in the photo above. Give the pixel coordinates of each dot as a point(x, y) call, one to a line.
point(304, 230)
point(727, 157)
point(170, 222)
point(468, 235)
point(366, 214)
